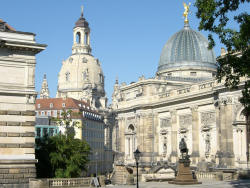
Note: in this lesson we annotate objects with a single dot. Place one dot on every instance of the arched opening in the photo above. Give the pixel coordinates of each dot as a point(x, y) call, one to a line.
point(78, 37)
point(131, 128)
point(86, 39)
point(131, 142)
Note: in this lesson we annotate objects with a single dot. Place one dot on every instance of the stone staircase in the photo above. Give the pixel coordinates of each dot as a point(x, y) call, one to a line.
point(120, 175)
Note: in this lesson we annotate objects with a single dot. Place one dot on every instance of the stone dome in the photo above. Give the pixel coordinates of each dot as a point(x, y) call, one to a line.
point(81, 72)
point(81, 22)
point(186, 50)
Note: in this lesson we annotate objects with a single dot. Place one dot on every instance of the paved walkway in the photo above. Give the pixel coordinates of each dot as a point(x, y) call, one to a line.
point(208, 184)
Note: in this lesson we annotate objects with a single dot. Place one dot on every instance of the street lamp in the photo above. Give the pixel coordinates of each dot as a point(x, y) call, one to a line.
point(137, 154)
point(96, 157)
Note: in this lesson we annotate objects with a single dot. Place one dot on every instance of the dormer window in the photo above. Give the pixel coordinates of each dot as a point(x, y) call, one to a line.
point(51, 105)
point(84, 60)
point(67, 74)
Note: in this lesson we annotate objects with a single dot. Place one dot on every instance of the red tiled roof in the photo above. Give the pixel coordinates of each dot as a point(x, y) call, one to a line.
point(70, 103)
point(7, 25)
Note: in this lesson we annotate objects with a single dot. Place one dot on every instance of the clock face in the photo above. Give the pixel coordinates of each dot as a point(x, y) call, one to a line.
point(84, 60)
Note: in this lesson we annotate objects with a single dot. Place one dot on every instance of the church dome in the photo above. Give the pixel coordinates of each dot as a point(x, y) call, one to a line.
point(186, 50)
point(81, 22)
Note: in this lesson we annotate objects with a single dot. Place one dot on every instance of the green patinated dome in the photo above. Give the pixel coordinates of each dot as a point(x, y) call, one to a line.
point(187, 48)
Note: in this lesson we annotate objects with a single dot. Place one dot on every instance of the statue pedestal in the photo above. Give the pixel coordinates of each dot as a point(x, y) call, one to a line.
point(184, 175)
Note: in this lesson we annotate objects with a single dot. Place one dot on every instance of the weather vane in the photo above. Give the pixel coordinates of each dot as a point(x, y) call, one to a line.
point(186, 12)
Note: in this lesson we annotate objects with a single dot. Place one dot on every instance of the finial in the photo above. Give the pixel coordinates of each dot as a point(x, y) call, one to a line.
point(186, 12)
point(82, 11)
point(44, 76)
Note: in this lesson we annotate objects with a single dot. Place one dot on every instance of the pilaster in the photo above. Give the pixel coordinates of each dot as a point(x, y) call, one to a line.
point(195, 135)
point(173, 155)
point(226, 154)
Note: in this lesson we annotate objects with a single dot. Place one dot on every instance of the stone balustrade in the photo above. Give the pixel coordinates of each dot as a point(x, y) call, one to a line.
point(206, 175)
point(69, 182)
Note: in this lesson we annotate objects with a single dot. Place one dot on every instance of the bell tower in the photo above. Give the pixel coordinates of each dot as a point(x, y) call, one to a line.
point(81, 36)
point(44, 93)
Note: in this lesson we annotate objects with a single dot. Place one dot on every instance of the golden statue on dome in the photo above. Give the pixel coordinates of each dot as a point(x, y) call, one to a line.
point(186, 12)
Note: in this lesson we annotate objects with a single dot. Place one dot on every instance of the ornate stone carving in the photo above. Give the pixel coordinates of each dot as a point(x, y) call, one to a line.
point(207, 118)
point(164, 144)
point(166, 122)
point(194, 108)
point(185, 120)
point(225, 100)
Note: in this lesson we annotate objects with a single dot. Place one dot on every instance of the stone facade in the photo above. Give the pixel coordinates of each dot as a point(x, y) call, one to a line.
point(154, 114)
point(17, 105)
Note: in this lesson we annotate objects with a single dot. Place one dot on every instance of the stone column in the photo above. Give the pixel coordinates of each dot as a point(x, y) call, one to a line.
point(122, 135)
point(218, 133)
point(173, 155)
point(195, 135)
point(226, 137)
point(229, 131)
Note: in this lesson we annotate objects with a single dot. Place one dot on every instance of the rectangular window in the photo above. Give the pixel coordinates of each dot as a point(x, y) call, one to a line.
point(38, 106)
point(51, 105)
point(49, 113)
point(42, 113)
point(63, 105)
point(55, 113)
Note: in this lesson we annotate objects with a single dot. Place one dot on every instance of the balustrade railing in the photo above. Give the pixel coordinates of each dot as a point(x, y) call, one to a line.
point(69, 182)
point(205, 175)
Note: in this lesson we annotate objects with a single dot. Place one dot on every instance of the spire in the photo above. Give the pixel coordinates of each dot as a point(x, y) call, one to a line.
point(82, 11)
point(44, 93)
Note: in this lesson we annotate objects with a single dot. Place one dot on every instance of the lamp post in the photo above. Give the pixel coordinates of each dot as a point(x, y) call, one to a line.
point(137, 157)
point(96, 157)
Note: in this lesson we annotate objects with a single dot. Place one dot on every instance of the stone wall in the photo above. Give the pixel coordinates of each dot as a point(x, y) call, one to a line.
point(17, 107)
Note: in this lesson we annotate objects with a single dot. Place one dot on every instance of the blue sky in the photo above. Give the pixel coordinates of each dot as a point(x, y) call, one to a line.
point(127, 36)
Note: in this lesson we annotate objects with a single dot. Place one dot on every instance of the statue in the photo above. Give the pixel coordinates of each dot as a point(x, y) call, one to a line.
point(183, 148)
point(185, 14)
point(207, 142)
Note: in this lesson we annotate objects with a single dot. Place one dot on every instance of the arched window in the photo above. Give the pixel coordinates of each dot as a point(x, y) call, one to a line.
point(67, 74)
point(131, 141)
point(131, 128)
point(78, 37)
point(86, 38)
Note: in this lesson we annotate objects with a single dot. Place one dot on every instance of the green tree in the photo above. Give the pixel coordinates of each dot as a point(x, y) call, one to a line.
point(215, 17)
point(63, 156)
